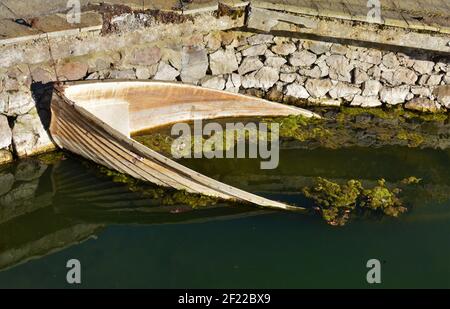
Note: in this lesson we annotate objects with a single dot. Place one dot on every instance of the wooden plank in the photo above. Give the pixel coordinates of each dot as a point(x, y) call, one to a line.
point(125, 161)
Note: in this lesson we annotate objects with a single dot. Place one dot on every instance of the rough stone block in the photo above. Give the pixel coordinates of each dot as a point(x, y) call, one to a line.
point(5, 133)
point(29, 135)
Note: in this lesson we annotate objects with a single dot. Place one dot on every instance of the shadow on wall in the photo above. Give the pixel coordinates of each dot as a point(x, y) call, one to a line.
point(413, 53)
point(42, 95)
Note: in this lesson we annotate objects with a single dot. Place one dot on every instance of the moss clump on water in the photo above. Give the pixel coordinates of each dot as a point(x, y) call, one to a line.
point(330, 194)
point(411, 180)
point(336, 202)
point(380, 198)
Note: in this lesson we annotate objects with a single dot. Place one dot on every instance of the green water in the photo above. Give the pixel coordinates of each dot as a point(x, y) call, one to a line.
point(52, 213)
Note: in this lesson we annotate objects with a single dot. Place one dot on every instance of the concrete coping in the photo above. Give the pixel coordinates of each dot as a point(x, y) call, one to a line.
point(432, 15)
point(51, 26)
point(414, 15)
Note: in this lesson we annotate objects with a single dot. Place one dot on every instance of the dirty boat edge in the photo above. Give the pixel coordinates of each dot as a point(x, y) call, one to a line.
point(96, 119)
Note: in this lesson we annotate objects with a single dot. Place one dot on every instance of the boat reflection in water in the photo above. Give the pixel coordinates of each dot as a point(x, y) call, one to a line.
point(47, 208)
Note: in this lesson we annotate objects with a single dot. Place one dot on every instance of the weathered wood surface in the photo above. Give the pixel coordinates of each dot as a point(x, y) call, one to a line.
point(76, 127)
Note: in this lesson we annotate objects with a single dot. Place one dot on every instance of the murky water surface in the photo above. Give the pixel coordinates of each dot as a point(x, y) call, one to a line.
point(52, 213)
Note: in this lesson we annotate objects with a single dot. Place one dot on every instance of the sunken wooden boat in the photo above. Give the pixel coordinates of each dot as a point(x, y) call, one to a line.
point(95, 119)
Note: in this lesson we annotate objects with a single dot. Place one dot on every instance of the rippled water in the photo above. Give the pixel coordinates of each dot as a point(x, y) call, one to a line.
point(52, 213)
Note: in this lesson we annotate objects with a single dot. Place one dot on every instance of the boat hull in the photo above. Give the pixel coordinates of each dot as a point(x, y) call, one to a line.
point(95, 120)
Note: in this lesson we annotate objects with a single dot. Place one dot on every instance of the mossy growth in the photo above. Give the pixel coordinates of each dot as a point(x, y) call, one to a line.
point(394, 126)
point(411, 180)
point(166, 196)
point(397, 112)
point(51, 157)
point(220, 141)
point(305, 129)
point(330, 194)
point(347, 112)
point(380, 198)
point(189, 199)
point(337, 202)
point(413, 139)
point(156, 141)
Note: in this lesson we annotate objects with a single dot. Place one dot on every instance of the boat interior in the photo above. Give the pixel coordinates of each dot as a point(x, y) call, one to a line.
point(135, 106)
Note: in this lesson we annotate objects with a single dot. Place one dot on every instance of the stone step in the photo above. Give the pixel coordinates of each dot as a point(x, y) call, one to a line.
point(12, 32)
point(411, 14)
point(5, 12)
point(55, 25)
point(428, 37)
point(431, 16)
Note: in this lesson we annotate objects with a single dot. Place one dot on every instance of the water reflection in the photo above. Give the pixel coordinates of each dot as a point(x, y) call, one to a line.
point(46, 208)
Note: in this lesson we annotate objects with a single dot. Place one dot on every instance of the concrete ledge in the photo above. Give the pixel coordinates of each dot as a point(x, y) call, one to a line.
point(401, 24)
point(268, 21)
point(56, 25)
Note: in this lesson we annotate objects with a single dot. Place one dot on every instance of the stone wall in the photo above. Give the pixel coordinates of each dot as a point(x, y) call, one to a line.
point(291, 70)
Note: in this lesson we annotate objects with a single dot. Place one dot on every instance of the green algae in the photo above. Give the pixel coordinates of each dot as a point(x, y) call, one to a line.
point(51, 157)
point(156, 141)
point(218, 141)
point(411, 180)
point(337, 202)
point(305, 129)
point(330, 194)
point(413, 139)
point(349, 126)
point(185, 198)
point(380, 198)
point(166, 196)
point(392, 113)
point(347, 112)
